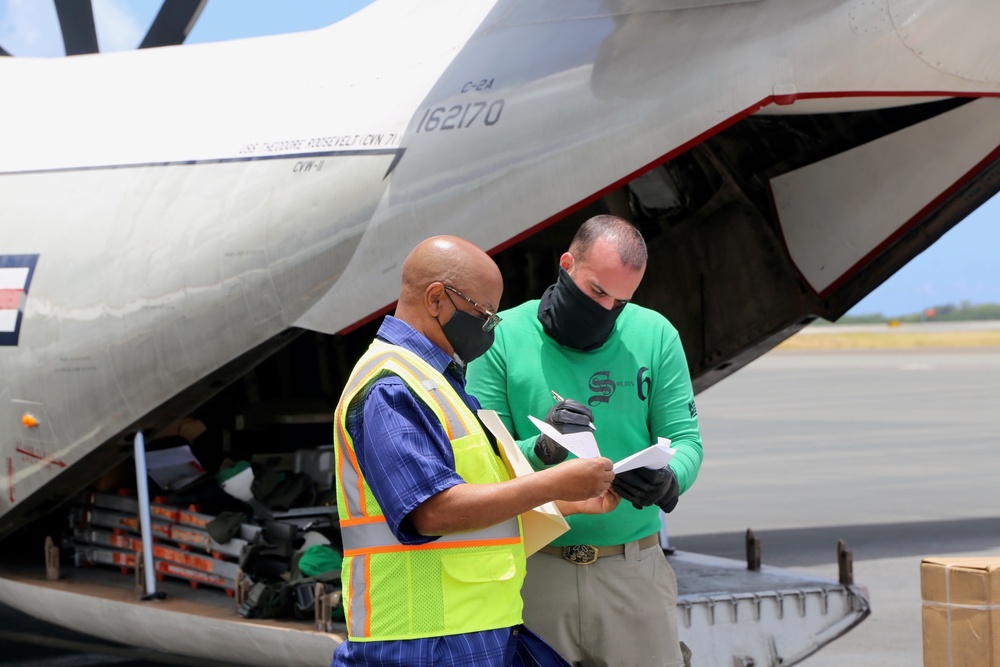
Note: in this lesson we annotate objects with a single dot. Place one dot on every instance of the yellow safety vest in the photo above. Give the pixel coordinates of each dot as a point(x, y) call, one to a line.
point(464, 582)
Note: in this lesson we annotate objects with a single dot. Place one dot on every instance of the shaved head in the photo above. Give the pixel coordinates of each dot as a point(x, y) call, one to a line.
point(449, 260)
point(434, 263)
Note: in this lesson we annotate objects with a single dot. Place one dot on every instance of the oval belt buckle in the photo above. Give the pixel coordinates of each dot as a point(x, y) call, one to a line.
point(580, 554)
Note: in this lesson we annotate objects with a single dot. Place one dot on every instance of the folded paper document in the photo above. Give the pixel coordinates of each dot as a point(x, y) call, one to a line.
point(654, 456)
point(584, 445)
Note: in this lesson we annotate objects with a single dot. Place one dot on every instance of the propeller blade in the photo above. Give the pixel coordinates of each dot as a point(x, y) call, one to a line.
point(76, 19)
point(173, 23)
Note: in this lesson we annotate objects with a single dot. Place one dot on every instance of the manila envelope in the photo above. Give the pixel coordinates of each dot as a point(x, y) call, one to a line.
point(542, 524)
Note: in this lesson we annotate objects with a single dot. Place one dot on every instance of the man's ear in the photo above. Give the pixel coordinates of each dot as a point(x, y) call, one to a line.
point(566, 261)
point(433, 296)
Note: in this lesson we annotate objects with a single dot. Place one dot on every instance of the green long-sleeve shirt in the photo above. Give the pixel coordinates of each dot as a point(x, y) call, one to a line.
point(637, 384)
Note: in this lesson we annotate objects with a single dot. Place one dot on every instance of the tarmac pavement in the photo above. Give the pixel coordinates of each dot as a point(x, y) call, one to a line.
point(896, 452)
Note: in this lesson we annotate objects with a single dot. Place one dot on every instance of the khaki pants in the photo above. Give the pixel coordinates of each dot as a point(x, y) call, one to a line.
point(620, 611)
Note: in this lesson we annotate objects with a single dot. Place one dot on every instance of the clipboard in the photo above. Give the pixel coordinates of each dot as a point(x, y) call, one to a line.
point(542, 524)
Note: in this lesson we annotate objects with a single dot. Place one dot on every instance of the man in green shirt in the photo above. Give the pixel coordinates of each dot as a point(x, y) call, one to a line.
point(603, 593)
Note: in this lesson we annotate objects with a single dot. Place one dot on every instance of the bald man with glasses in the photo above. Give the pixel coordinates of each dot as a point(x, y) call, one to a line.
point(433, 550)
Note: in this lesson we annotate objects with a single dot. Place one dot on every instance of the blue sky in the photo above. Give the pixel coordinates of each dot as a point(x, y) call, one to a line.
point(964, 266)
point(30, 27)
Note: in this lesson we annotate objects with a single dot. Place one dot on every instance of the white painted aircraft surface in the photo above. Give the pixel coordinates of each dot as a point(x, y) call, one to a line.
point(175, 218)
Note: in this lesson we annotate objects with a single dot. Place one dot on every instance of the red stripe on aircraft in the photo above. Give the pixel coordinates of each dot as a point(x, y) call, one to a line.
point(40, 456)
point(906, 226)
point(778, 100)
point(11, 298)
point(683, 148)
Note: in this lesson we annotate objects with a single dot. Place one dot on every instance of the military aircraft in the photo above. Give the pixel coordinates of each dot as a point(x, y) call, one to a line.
point(217, 228)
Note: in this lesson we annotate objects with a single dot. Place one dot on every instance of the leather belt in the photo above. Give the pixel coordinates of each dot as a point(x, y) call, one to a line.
point(585, 554)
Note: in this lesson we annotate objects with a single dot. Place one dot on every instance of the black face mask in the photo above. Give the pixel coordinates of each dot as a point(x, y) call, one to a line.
point(572, 318)
point(466, 335)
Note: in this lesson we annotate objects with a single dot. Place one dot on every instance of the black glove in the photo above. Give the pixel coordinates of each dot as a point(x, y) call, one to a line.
point(644, 487)
point(567, 416)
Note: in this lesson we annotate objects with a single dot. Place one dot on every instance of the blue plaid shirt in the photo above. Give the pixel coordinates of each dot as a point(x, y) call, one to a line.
point(406, 458)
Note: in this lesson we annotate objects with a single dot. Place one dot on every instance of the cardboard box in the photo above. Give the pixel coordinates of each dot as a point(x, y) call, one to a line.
point(542, 524)
point(961, 611)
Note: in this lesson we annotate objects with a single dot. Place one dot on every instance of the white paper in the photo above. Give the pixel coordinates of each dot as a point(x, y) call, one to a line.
point(582, 444)
point(654, 457)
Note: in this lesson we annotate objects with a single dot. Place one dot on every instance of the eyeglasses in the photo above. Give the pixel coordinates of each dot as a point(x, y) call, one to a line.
point(491, 319)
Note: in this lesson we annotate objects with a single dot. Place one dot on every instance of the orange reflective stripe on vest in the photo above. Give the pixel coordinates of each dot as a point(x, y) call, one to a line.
point(412, 371)
point(464, 582)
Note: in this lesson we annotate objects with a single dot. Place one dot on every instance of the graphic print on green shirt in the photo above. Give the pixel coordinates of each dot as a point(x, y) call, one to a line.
point(637, 384)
